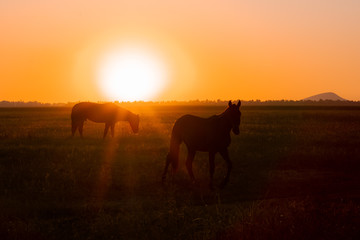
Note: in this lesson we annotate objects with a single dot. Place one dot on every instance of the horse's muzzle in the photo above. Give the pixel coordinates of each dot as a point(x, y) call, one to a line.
point(135, 131)
point(236, 131)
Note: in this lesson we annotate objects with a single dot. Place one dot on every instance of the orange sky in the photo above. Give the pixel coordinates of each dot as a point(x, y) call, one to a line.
point(228, 49)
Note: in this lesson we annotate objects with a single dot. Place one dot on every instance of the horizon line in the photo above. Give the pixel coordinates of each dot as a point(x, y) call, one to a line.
point(206, 101)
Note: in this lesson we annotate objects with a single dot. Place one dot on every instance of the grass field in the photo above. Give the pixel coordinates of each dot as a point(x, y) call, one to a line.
point(296, 175)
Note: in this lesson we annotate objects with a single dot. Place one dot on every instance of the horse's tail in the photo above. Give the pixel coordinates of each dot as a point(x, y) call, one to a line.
point(74, 118)
point(73, 112)
point(173, 155)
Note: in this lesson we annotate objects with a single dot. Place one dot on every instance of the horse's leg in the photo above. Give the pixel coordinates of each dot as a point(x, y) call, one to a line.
point(106, 129)
point(189, 160)
point(225, 154)
point(167, 163)
point(74, 126)
point(81, 125)
point(211, 168)
point(112, 127)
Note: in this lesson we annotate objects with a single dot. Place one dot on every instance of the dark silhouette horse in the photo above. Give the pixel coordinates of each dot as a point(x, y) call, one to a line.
point(108, 113)
point(210, 135)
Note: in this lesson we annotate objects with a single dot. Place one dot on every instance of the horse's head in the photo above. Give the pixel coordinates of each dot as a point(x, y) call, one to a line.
point(234, 115)
point(134, 123)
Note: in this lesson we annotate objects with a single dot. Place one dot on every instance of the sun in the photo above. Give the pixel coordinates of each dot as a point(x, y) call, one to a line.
point(131, 73)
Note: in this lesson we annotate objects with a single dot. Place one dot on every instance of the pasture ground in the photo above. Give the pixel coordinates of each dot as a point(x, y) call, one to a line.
point(296, 175)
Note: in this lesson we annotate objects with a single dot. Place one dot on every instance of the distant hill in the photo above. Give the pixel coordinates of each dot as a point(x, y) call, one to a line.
point(325, 96)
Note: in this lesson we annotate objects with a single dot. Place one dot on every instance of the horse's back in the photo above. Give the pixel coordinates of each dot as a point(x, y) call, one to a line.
point(79, 110)
point(189, 122)
point(94, 111)
point(198, 133)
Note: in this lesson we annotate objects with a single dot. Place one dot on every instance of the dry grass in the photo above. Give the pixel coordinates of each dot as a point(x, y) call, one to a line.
point(295, 177)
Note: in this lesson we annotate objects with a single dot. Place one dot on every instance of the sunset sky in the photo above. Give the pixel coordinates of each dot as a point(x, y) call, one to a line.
point(56, 51)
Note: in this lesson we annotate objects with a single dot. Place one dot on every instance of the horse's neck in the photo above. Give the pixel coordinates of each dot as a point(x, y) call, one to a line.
point(225, 119)
point(123, 115)
point(130, 116)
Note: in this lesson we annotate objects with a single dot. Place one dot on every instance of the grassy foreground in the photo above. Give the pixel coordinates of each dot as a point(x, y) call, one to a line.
point(296, 176)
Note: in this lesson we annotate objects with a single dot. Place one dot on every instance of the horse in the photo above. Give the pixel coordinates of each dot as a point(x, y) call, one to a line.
point(210, 135)
point(108, 113)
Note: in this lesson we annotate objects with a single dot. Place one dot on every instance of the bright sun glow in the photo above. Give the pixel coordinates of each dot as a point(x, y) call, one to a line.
point(131, 73)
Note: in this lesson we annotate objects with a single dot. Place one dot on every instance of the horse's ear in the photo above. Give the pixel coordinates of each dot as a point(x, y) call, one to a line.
point(230, 103)
point(238, 104)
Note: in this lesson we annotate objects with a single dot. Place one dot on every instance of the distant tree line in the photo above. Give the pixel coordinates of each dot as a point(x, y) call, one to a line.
point(196, 102)
point(30, 104)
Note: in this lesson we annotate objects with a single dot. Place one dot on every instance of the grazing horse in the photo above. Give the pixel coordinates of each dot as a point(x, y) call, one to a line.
point(108, 113)
point(210, 135)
